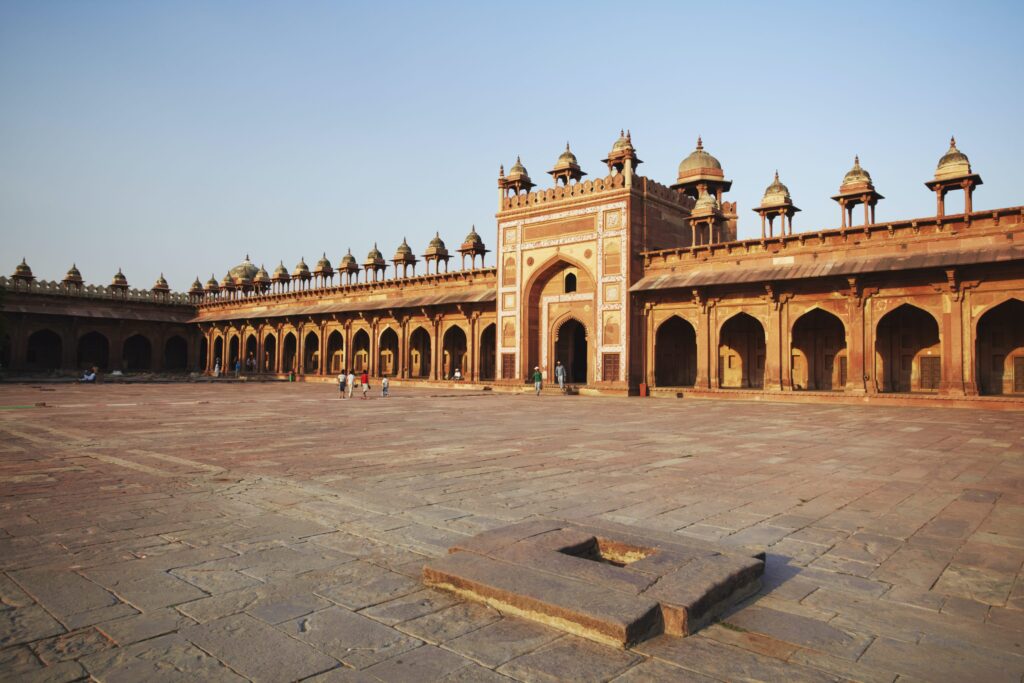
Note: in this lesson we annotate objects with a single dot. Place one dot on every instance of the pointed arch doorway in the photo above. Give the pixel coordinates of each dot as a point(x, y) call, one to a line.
point(572, 349)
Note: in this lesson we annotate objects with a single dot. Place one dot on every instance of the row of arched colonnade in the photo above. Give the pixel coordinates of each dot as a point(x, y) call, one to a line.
point(429, 349)
point(908, 349)
point(64, 348)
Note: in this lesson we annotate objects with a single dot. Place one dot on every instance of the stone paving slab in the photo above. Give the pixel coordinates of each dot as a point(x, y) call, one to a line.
point(143, 527)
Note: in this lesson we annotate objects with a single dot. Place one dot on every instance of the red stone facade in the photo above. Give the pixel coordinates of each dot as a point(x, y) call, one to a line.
point(634, 286)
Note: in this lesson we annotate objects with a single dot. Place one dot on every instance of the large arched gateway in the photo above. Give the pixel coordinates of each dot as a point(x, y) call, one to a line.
point(572, 350)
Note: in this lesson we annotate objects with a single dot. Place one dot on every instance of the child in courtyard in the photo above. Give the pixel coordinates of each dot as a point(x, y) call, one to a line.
point(364, 380)
point(341, 384)
point(385, 386)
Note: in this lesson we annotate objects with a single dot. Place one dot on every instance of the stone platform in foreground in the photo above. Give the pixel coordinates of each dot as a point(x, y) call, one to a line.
point(613, 583)
point(273, 532)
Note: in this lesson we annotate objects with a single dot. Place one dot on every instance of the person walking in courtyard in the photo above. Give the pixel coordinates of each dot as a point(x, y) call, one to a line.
point(364, 380)
point(341, 384)
point(350, 383)
point(238, 368)
point(385, 387)
point(216, 368)
point(537, 379)
point(560, 375)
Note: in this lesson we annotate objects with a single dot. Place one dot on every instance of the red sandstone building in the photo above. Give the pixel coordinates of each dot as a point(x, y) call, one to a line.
point(635, 286)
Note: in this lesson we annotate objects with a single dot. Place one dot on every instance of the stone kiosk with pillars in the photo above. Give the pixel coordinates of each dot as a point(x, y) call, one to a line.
point(627, 282)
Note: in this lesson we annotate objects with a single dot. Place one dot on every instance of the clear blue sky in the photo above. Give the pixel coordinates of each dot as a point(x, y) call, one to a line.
point(178, 136)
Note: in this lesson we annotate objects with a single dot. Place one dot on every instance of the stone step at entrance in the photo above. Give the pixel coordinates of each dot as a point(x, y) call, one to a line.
point(611, 583)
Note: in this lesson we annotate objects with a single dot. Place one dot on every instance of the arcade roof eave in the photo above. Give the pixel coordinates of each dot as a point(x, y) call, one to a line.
point(818, 269)
point(254, 310)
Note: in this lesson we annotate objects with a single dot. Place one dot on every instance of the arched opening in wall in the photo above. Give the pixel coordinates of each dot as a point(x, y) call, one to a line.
point(44, 351)
point(233, 353)
point(250, 364)
point(311, 353)
point(218, 355)
point(675, 354)
point(269, 353)
point(1000, 349)
point(819, 352)
point(176, 354)
point(335, 352)
point(387, 348)
point(289, 353)
point(454, 351)
point(361, 352)
point(488, 352)
point(204, 351)
point(5, 352)
point(907, 349)
point(571, 349)
point(741, 353)
point(93, 351)
point(543, 303)
point(137, 353)
point(419, 354)
point(570, 282)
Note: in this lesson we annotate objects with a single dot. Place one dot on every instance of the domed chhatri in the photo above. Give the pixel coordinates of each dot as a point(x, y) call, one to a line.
point(705, 219)
point(197, 286)
point(73, 278)
point(281, 273)
point(856, 177)
point(776, 202)
point(161, 284)
point(323, 272)
point(23, 272)
point(211, 284)
point(517, 180)
point(701, 169)
point(566, 168)
point(472, 246)
point(404, 257)
point(246, 270)
point(119, 280)
point(622, 152)
point(436, 252)
point(374, 264)
point(705, 205)
point(227, 282)
point(262, 280)
point(349, 267)
point(301, 271)
point(855, 189)
point(953, 173)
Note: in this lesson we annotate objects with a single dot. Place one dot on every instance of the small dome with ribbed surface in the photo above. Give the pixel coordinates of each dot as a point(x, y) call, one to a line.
point(856, 174)
point(119, 279)
point(953, 163)
point(301, 269)
point(73, 274)
point(700, 161)
point(776, 193)
point(161, 284)
point(22, 271)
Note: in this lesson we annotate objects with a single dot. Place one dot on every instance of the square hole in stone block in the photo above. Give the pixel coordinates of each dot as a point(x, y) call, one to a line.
point(609, 551)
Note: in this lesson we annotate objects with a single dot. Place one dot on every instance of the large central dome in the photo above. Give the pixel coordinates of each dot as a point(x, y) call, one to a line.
point(246, 270)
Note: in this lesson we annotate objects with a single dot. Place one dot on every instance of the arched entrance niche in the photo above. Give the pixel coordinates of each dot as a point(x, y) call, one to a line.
point(741, 353)
point(335, 352)
point(488, 352)
point(176, 354)
point(572, 349)
point(361, 351)
point(5, 351)
point(388, 353)
point(1000, 349)
point(289, 353)
point(819, 352)
point(419, 354)
point(311, 353)
point(546, 292)
point(203, 359)
point(233, 353)
point(250, 353)
point(218, 353)
point(269, 353)
point(93, 351)
point(907, 351)
point(675, 354)
point(454, 350)
point(137, 353)
point(44, 350)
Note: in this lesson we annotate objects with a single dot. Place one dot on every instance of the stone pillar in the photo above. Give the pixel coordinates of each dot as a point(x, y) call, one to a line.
point(435, 348)
point(952, 334)
point(374, 349)
point(324, 360)
point(347, 352)
point(403, 347)
point(772, 359)
point(713, 351)
point(785, 342)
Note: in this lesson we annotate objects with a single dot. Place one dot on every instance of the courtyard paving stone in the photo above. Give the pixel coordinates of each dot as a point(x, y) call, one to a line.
point(267, 532)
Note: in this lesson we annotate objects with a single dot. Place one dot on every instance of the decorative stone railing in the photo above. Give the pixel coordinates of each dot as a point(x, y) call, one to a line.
point(54, 288)
point(561, 192)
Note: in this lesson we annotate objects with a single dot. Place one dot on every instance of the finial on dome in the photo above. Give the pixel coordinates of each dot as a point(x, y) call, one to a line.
point(247, 257)
point(776, 175)
point(700, 143)
point(566, 145)
point(856, 160)
point(501, 170)
point(628, 137)
point(952, 141)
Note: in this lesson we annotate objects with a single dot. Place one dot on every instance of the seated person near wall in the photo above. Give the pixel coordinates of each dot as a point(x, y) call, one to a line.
point(89, 376)
point(457, 375)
